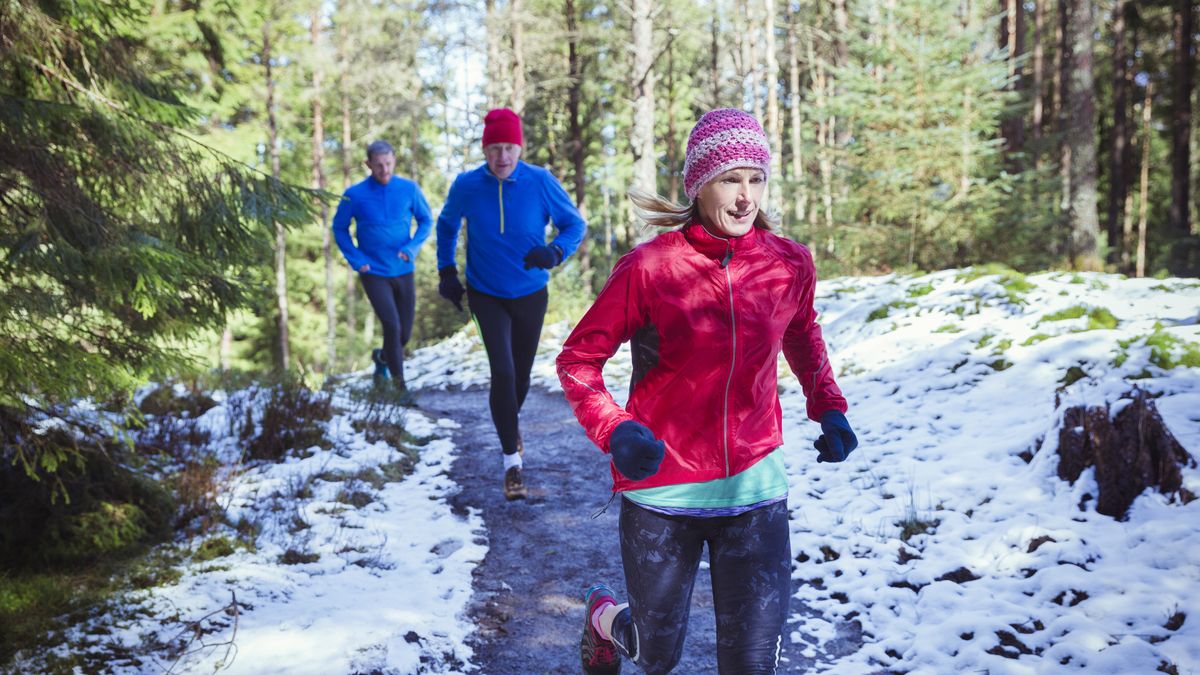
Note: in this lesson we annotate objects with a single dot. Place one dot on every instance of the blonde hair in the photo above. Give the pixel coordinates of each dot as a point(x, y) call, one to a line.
point(655, 210)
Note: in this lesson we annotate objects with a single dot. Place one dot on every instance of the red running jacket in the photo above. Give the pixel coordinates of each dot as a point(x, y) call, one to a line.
point(707, 317)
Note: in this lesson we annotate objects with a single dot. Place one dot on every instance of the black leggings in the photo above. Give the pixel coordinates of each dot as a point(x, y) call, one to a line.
point(511, 328)
point(394, 301)
point(751, 568)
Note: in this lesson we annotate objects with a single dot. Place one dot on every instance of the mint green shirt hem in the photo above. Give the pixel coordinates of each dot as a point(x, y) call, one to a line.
point(765, 480)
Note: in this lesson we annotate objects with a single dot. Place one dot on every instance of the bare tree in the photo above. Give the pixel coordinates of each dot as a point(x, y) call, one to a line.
point(1083, 249)
point(492, 33)
point(1062, 64)
point(642, 141)
point(774, 127)
point(1118, 159)
point(799, 184)
point(1181, 119)
point(318, 166)
point(673, 162)
point(576, 144)
point(1012, 38)
point(1144, 187)
point(517, 23)
point(282, 350)
point(347, 166)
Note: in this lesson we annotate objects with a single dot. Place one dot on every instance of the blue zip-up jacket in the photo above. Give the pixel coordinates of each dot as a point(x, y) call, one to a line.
point(383, 216)
point(505, 219)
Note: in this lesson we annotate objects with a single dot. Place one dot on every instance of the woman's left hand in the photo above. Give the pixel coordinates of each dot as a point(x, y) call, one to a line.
point(838, 441)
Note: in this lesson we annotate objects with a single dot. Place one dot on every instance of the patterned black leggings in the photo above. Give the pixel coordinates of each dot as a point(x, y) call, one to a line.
point(750, 565)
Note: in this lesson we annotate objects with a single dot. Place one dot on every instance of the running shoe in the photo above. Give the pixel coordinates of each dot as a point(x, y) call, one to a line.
point(598, 656)
point(381, 366)
point(514, 484)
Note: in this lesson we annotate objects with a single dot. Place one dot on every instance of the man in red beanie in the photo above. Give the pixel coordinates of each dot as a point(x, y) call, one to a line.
point(506, 204)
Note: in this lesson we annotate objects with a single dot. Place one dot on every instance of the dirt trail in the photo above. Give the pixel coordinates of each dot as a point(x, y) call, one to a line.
point(545, 551)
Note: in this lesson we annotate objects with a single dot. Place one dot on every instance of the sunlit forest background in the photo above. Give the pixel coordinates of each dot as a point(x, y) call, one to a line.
point(169, 167)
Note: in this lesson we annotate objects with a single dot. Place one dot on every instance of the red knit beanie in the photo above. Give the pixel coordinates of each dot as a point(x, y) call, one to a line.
point(502, 126)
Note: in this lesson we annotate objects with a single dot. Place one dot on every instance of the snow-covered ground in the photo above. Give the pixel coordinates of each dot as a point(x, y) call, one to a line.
point(355, 567)
point(950, 380)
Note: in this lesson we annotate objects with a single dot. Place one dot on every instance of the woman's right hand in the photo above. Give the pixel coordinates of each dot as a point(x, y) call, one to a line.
point(635, 451)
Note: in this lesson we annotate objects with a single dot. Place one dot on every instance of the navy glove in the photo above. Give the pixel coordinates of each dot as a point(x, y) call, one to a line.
point(450, 287)
point(544, 257)
point(838, 441)
point(635, 451)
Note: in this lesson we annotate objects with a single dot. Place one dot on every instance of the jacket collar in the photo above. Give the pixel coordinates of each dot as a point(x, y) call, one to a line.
point(512, 177)
point(717, 247)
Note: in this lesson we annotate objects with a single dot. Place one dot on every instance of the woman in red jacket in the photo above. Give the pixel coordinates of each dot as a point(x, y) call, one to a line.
point(696, 452)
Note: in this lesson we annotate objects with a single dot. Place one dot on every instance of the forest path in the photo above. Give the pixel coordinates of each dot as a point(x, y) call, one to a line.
point(544, 552)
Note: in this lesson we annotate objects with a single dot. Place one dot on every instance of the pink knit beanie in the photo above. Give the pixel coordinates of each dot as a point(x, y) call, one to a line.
point(723, 139)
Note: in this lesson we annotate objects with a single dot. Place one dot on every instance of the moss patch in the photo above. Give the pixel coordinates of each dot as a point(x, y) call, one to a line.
point(1098, 318)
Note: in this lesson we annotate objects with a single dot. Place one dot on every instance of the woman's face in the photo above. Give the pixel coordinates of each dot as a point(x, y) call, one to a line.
point(728, 204)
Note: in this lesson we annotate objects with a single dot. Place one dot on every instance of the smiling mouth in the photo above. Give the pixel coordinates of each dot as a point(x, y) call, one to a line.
point(738, 215)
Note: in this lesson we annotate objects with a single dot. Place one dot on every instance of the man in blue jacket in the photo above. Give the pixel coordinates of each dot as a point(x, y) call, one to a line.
point(383, 208)
point(506, 204)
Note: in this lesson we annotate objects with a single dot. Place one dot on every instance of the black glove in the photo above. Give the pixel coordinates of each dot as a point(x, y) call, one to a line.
point(635, 451)
point(838, 441)
point(449, 287)
point(544, 257)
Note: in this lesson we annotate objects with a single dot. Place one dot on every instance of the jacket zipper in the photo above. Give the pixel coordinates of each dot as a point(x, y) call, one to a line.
point(732, 361)
point(500, 183)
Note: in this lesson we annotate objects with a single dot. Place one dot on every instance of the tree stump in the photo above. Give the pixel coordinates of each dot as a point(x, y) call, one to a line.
point(1132, 450)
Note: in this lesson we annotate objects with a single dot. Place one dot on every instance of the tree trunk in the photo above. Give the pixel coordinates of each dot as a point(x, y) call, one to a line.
point(226, 347)
point(347, 166)
point(1084, 251)
point(518, 47)
point(1062, 64)
point(673, 162)
point(282, 351)
point(575, 145)
point(1181, 120)
point(824, 136)
point(753, 69)
point(1118, 149)
point(714, 66)
point(318, 161)
point(1144, 188)
point(1013, 39)
point(799, 187)
point(495, 78)
point(774, 127)
point(642, 140)
point(1039, 73)
point(841, 50)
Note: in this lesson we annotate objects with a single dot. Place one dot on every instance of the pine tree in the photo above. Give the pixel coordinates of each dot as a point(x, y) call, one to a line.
point(121, 237)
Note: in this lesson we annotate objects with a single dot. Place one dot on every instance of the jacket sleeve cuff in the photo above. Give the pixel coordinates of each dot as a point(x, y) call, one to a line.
point(605, 432)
